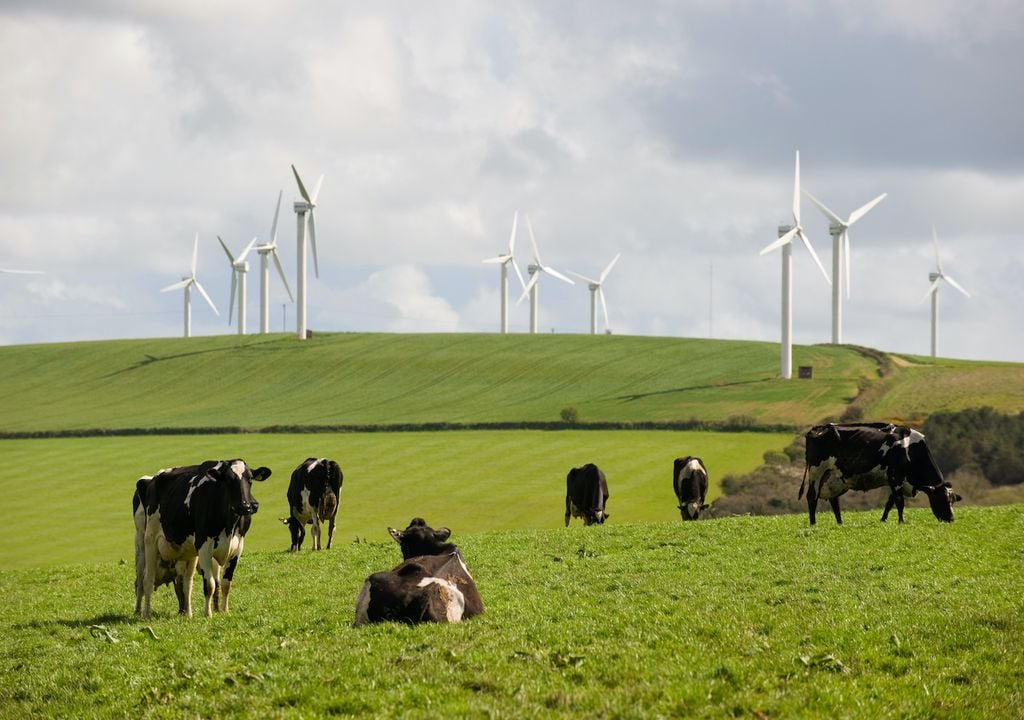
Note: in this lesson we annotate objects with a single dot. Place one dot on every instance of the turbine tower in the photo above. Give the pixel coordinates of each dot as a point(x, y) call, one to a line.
point(597, 291)
point(535, 269)
point(506, 259)
point(304, 213)
point(785, 241)
point(187, 283)
point(937, 277)
point(266, 252)
point(239, 270)
point(839, 230)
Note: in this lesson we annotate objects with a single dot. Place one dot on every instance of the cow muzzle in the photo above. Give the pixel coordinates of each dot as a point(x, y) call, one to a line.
point(246, 508)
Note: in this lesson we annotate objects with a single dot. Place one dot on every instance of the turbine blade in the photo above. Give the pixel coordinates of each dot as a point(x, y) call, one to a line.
point(955, 284)
point(512, 237)
point(195, 254)
point(280, 271)
point(863, 210)
point(935, 243)
point(821, 206)
point(810, 249)
point(932, 288)
point(206, 297)
point(247, 249)
point(519, 274)
point(584, 278)
point(302, 188)
point(554, 273)
point(277, 211)
point(231, 258)
point(603, 275)
point(796, 190)
point(177, 285)
point(316, 190)
point(499, 259)
point(846, 260)
point(604, 305)
point(21, 272)
point(231, 303)
point(788, 237)
point(312, 241)
point(533, 241)
point(528, 286)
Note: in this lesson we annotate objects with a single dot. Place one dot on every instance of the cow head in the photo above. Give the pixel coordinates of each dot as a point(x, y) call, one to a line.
point(234, 479)
point(692, 510)
point(421, 539)
point(941, 498)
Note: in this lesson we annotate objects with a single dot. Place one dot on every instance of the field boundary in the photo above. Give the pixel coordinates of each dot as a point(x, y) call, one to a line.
point(733, 424)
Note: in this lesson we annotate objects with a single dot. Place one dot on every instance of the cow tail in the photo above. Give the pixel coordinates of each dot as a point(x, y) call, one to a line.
point(803, 483)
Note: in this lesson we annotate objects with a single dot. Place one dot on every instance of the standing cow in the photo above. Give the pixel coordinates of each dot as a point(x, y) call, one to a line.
point(433, 583)
point(864, 456)
point(586, 494)
point(196, 515)
point(690, 482)
point(313, 495)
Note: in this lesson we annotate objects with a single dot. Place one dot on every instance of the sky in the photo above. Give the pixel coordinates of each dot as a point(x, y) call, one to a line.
point(664, 131)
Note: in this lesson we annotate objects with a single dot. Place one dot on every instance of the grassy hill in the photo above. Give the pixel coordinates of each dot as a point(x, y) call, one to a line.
point(385, 379)
point(741, 617)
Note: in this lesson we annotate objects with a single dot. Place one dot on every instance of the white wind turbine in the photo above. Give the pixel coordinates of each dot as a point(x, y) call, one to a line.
point(839, 229)
point(507, 259)
point(597, 291)
point(785, 241)
point(268, 251)
point(187, 283)
point(239, 271)
point(304, 212)
point(937, 277)
point(535, 269)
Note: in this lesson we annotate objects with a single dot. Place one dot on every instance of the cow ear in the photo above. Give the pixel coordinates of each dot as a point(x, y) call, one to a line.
point(395, 534)
point(260, 474)
point(956, 498)
point(705, 506)
point(443, 533)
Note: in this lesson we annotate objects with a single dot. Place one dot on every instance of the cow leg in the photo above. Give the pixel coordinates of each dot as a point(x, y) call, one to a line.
point(315, 531)
point(298, 536)
point(889, 502)
point(812, 503)
point(149, 580)
point(225, 583)
point(187, 580)
point(834, 502)
point(567, 503)
point(900, 500)
point(211, 571)
point(330, 531)
point(179, 592)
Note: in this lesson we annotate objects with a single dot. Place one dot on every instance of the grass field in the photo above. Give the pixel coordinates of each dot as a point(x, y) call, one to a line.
point(260, 381)
point(740, 617)
point(475, 480)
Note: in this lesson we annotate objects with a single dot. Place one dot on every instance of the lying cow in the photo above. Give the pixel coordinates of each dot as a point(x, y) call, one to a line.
point(690, 482)
point(865, 456)
point(195, 515)
point(433, 583)
point(586, 494)
point(312, 498)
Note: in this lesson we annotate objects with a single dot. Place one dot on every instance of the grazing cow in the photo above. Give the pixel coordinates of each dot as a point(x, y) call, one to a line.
point(865, 456)
point(195, 515)
point(312, 497)
point(433, 583)
point(586, 493)
point(690, 481)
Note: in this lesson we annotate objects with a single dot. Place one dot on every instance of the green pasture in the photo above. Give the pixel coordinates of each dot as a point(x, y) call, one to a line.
point(384, 379)
point(69, 499)
point(741, 617)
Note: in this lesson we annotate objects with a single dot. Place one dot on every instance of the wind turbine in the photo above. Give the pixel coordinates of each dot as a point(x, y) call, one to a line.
point(187, 283)
point(785, 241)
point(304, 214)
point(535, 269)
point(839, 230)
point(267, 251)
point(937, 277)
point(596, 291)
point(239, 269)
point(505, 260)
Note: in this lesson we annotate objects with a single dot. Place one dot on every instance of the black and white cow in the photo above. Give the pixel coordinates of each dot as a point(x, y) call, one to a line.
point(172, 571)
point(433, 583)
point(690, 482)
point(313, 495)
point(586, 493)
point(864, 456)
point(195, 515)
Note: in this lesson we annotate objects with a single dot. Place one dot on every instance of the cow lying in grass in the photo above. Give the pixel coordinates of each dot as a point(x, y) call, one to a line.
point(433, 583)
